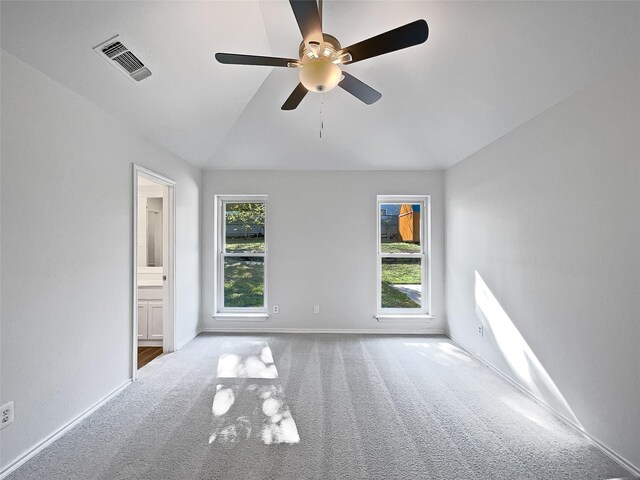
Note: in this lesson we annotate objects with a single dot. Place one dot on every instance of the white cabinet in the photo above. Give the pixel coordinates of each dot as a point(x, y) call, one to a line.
point(142, 319)
point(154, 320)
point(150, 314)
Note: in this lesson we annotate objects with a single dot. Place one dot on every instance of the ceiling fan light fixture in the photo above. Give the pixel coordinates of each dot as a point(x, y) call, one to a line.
point(314, 49)
point(319, 74)
point(343, 58)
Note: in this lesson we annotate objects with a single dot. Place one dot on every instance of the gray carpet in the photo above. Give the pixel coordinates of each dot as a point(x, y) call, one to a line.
point(320, 407)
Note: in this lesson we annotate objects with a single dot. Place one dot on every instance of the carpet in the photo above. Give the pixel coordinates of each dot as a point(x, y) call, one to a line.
point(318, 406)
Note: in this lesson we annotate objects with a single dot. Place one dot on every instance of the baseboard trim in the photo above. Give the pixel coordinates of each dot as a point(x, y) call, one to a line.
point(41, 445)
point(360, 331)
point(188, 339)
point(597, 443)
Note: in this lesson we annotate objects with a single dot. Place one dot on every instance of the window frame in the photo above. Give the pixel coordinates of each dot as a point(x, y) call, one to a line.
point(424, 255)
point(220, 255)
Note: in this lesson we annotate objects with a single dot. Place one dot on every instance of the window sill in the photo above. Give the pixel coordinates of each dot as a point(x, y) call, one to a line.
point(241, 317)
point(403, 318)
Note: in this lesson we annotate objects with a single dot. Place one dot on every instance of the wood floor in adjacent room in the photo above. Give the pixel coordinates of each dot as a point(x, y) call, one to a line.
point(146, 354)
point(320, 407)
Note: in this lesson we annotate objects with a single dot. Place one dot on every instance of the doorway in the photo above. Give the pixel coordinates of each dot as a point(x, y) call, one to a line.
point(153, 325)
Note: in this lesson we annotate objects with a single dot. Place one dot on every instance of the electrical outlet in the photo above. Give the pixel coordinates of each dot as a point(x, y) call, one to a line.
point(276, 309)
point(481, 330)
point(6, 415)
point(316, 309)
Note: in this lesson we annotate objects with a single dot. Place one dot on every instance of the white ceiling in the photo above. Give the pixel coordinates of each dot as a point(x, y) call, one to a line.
point(486, 68)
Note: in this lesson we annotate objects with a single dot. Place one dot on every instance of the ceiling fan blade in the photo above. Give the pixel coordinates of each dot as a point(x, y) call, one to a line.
point(408, 35)
point(295, 98)
point(239, 59)
point(308, 18)
point(359, 89)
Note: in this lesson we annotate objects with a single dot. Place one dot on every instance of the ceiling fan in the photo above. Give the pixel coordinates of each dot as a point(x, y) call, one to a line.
point(321, 55)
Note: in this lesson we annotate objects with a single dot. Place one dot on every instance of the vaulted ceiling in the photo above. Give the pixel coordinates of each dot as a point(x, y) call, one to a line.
point(486, 68)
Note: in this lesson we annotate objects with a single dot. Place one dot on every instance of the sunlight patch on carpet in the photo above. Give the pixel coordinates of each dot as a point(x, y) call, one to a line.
point(247, 360)
point(260, 412)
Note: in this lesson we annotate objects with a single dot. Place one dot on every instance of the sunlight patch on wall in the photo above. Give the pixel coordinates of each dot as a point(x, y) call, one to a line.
point(522, 361)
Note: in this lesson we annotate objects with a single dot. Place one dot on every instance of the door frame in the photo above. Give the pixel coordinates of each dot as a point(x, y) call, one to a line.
point(169, 287)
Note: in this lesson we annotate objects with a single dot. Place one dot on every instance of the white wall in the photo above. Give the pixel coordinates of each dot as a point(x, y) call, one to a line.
point(549, 217)
point(321, 229)
point(67, 253)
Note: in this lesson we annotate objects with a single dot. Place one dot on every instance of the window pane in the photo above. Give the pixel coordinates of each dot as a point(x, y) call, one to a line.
point(401, 283)
point(400, 227)
point(244, 282)
point(244, 227)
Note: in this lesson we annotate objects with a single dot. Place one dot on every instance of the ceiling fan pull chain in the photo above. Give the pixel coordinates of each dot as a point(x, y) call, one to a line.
point(321, 120)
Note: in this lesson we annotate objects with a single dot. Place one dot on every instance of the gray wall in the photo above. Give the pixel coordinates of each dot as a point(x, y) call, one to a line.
point(66, 252)
point(549, 217)
point(321, 229)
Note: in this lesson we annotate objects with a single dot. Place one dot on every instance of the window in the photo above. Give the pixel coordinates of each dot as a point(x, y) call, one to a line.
point(403, 255)
point(242, 254)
